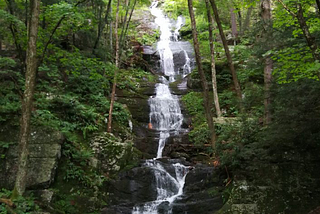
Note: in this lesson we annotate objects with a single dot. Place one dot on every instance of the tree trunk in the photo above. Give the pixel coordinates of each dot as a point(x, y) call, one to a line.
point(227, 51)
point(115, 71)
point(213, 65)
point(101, 25)
point(247, 21)
point(234, 25)
point(318, 5)
point(239, 19)
point(31, 69)
point(267, 85)
point(309, 38)
point(266, 17)
point(99, 29)
point(111, 33)
point(207, 103)
point(127, 4)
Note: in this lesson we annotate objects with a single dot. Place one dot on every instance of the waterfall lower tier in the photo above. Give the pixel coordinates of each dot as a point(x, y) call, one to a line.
point(169, 187)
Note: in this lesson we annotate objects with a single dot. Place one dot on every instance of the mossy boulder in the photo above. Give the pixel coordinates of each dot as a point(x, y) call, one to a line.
point(111, 154)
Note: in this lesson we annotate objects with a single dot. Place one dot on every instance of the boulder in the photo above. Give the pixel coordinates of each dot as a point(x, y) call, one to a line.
point(44, 152)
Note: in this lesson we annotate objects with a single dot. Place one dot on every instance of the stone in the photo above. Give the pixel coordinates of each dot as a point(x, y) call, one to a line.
point(110, 152)
point(244, 208)
point(44, 153)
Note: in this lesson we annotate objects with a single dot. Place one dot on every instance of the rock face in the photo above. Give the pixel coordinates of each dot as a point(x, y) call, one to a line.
point(130, 189)
point(202, 191)
point(44, 152)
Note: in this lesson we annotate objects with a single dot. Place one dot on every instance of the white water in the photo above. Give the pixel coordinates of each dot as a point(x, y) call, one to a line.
point(187, 65)
point(180, 23)
point(165, 116)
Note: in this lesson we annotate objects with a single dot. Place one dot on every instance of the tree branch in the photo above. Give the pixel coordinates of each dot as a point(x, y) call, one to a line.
point(287, 8)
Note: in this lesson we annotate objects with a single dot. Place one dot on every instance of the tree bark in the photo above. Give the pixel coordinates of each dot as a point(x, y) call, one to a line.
point(239, 19)
point(309, 38)
point(127, 4)
point(233, 25)
point(213, 65)
point(115, 71)
point(31, 69)
point(266, 17)
point(111, 33)
point(318, 5)
point(227, 51)
point(101, 25)
point(207, 103)
point(247, 20)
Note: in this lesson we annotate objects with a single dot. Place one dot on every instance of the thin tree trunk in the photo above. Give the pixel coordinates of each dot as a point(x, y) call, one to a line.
point(227, 51)
point(31, 69)
point(213, 65)
point(127, 3)
point(207, 103)
point(111, 33)
point(309, 38)
point(115, 71)
point(247, 20)
point(234, 25)
point(122, 40)
point(266, 16)
point(267, 85)
point(99, 29)
point(311, 42)
point(102, 24)
point(318, 5)
point(239, 19)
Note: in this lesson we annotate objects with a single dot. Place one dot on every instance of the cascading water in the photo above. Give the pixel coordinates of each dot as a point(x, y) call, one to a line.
point(187, 65)
point(180, 23)
point(165, 117)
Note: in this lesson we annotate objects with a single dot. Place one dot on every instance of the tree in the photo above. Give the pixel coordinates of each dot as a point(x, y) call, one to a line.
point(246, 23)
point(227, 51)
point(31, 69)
point(266, 17)
point(234, 25)
point(115, 71)
point(311, 41)
point(213, 65)
point(207, 103)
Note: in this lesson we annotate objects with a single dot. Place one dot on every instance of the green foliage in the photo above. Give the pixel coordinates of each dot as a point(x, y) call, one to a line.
point(4, 145)
point(236, 140)
point(10, 85)
point(294, 63)
point(149, 39)
point(23, 205)
point(200, 134)
point(296, 117)
point(78, 165)
point(194, 103)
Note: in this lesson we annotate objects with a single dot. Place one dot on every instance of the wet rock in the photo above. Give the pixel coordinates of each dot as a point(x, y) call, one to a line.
point(133, 187)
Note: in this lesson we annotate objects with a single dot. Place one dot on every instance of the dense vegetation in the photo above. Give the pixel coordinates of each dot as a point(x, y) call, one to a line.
point(79, 48)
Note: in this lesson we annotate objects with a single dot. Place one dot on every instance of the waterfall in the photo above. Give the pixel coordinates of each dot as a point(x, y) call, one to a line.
point(187, 66)
point(180, 23)
point(165, 117)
